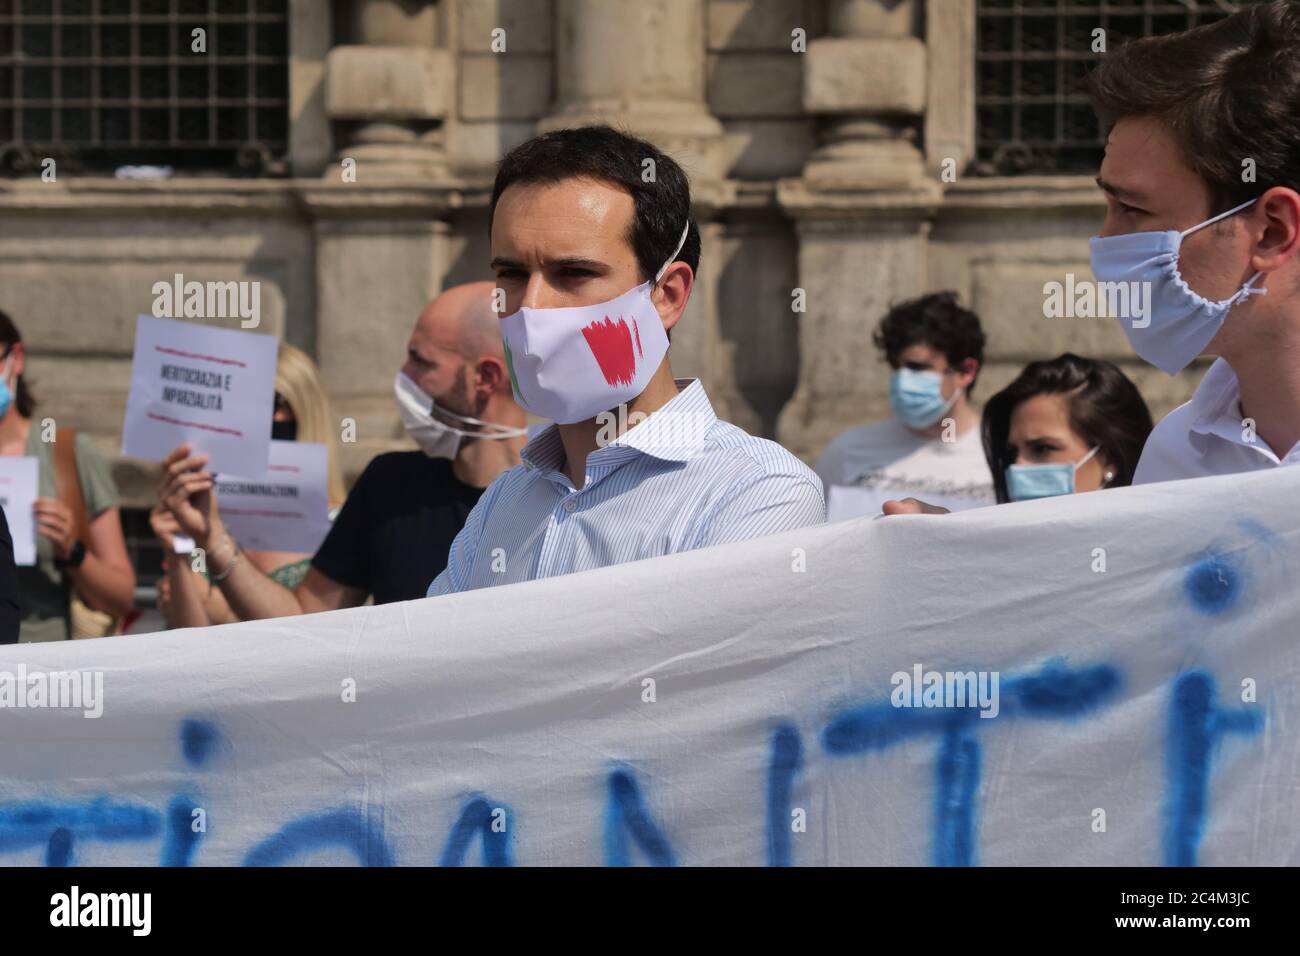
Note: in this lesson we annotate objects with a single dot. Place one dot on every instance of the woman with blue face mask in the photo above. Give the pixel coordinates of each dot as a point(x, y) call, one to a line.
point(82, 583)
point(1067, 425)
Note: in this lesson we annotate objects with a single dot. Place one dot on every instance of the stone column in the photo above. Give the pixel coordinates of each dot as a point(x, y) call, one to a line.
point(862, 208)
point(381, 255)
point(640, 64)
point(390, 87)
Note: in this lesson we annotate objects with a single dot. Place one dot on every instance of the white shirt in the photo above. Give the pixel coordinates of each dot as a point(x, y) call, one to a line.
point(869, 465)
point(681, 479)
point(1207, 436)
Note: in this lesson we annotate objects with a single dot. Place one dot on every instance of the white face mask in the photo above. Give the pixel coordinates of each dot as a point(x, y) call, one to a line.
point(571, 364)
point(1180, 323)
point(436, 439)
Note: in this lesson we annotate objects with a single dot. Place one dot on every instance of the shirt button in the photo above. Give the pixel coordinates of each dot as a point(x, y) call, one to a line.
point(570, 506)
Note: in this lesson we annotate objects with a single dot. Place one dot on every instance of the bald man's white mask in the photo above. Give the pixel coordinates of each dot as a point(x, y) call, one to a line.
point(435, 438)
point(571, 364)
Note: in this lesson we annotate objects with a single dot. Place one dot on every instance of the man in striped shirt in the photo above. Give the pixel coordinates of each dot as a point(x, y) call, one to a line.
point(637, 464)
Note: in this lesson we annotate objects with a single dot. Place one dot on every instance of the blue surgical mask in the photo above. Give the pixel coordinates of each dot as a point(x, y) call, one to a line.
point(1178, 324)
point(1025, 482)
point(917, 397)
point(6, 394)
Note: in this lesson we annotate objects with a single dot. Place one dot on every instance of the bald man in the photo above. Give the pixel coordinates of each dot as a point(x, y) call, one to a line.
point(392, 536)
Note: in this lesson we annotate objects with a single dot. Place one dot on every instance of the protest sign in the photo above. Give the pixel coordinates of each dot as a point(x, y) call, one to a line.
point(287, 508)
point(1105, 678)
point(214, 388)
point(18, 494)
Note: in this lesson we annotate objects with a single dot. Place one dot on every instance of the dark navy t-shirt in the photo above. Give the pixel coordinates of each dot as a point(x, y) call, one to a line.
point(393, 533)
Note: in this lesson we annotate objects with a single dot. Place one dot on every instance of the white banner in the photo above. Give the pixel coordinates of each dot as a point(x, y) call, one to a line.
point(1128, 660)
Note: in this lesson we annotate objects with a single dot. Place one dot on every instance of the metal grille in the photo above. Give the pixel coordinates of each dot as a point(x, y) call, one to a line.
point(102, 83)
point(1032, 112)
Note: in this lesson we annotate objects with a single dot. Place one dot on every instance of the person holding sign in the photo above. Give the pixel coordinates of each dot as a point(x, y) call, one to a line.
point(82, 572)
point(596, 262)
point(393, 533)
point(189, 598)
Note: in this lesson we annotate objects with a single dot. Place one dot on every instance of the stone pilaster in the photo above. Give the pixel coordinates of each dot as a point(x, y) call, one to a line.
point(381, 254)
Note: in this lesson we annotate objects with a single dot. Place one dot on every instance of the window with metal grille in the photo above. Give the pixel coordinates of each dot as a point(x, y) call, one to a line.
point(1032, 112)
point(98, 84)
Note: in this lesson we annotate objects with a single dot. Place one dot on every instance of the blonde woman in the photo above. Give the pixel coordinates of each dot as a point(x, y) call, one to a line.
point(302, 413)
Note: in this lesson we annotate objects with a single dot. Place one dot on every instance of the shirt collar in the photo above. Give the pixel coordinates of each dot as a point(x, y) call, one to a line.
point(675, 432)
point(1217, 400)
point(1217, 413)
point(544, 451)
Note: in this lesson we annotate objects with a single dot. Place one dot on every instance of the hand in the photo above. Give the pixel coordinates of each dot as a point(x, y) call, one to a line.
point(911, 506)
point(186, 492)
point(165, 527)
point(54, 520)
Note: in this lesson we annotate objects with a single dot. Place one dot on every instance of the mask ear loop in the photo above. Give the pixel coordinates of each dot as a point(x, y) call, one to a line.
point(673, 258)
point(1249, 288)
point(1087, 458)
point(1223, 215)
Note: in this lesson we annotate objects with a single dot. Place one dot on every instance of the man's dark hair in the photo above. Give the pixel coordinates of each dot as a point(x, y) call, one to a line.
point(1105, 409)
point(662, 205)
point(1227, 91)
point(935, 320)
point(24, 400)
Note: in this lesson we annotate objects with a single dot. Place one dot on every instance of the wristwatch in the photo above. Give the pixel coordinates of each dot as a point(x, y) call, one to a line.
point(74, 559)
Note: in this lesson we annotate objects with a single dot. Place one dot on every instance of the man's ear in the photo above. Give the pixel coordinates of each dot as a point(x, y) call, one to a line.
point(491, 374)
point(1280, 240)
point(672, 293)
point(966, 372)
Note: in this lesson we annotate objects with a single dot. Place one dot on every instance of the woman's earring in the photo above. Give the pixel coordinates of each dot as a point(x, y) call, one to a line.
point(1109, 476)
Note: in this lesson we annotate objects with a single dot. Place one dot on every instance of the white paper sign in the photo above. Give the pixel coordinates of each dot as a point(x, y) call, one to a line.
point(287, 509)
point(803, 698)
point(214, 388)
point(18, 493)
point(847, 501)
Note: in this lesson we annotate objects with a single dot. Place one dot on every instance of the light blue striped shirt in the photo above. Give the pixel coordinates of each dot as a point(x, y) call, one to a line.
point(681, 479)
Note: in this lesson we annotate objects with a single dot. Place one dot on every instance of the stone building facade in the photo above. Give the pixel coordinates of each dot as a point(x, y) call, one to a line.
point(816, 132)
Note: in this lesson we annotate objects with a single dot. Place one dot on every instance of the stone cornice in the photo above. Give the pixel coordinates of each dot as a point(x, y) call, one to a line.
point(432, 200)
point(873, 203)
point(222, 197)
point(981, 195)
point(104, 197)
point(398, 199)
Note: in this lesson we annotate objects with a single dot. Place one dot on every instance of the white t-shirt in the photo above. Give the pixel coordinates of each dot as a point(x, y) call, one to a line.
point(1207, 436)
point(867, 466)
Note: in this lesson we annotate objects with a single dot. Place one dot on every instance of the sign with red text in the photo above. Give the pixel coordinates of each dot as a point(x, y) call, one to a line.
point(213, 388)
point(285, 509)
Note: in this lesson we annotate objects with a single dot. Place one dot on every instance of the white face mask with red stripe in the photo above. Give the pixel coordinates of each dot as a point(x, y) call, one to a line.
point(571, 364)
